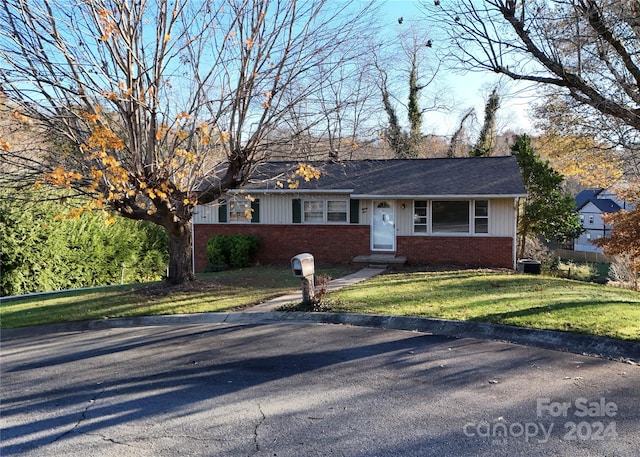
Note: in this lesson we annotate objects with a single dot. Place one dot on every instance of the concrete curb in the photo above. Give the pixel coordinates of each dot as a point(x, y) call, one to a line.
point(625, 351)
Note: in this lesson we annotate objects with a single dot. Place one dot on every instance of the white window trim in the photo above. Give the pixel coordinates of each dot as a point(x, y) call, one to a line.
point(472, 219)
point(427, 223)
point(325, 206)
point(243, 219)
point(469, 220)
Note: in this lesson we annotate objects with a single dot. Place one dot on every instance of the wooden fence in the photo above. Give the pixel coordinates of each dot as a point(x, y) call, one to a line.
point(580, 256)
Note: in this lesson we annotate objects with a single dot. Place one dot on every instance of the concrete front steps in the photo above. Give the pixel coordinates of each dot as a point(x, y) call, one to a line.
point(380, 260)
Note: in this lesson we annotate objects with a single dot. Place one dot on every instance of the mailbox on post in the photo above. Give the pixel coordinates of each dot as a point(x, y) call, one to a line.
point(303, 265)
point(303, 268)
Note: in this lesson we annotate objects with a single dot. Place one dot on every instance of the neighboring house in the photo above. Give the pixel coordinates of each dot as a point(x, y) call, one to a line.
point(458, 211)
point(591, 204)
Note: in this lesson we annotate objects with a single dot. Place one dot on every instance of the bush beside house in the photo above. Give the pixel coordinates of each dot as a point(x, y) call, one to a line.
point(231, 250)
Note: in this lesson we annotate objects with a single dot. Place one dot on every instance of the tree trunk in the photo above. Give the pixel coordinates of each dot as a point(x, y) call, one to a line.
point(180, 253)
point(523, 241)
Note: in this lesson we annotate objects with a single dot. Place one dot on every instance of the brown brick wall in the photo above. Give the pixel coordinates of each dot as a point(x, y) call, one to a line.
point(458, 250)
point(278, 243)
point(340, 244)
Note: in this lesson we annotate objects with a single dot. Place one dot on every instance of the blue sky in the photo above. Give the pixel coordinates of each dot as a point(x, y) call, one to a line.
point(464, 90)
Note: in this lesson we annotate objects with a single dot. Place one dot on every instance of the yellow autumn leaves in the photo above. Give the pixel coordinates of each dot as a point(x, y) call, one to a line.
point(267, 102)
point(593, 164)
point(108, 25)
point(112, 182)
point(304, 171)
point(125, 93)
point(203, 131)
point(62, 178)
point(109, 170)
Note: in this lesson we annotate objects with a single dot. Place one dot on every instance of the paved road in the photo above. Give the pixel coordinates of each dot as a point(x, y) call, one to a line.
point(286, 389)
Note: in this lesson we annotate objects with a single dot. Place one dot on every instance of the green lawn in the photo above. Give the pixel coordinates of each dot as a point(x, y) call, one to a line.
point(221, 291)
point(512, 299)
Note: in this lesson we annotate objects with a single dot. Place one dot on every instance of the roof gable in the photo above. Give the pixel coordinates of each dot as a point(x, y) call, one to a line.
point(605, 205)
point(585, 196)
point(472, 176)
point(592, 196)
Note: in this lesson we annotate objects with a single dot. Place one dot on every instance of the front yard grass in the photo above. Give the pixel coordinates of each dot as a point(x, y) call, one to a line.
point(476, 295)
point(214, 292)
point(503, 298)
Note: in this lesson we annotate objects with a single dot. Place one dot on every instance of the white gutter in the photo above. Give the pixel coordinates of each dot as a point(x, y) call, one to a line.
point(372, 196)
point(290, 191)
point(437, 196)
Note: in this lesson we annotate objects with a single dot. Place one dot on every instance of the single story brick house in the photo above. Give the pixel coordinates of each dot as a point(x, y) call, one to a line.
point(452, 211)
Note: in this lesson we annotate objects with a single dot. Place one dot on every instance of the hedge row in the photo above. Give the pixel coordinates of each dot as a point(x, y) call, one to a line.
point(42, 251)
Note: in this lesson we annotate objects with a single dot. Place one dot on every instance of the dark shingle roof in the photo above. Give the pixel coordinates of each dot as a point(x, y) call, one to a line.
point(585, 197)
point(606, 205)
point(469, 176)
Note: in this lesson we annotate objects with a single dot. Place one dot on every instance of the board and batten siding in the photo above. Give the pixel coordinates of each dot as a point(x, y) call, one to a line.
point(502, 217)
point(277, 209)
point(404, 217)
point(205, 214)
point(274, 208)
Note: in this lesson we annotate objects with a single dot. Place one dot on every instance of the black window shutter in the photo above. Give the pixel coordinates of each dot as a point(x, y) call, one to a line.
point(354, 212)
point(296, 207)
point(255, 211)
point(222, 211)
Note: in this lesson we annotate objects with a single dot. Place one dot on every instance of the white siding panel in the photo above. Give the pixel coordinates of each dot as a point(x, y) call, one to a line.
point(205, 214)
point(502, 217)
point(366, 207)
point(404, 217)
point(276, 209)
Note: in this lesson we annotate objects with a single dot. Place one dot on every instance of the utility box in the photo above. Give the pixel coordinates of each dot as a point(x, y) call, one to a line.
point(303, 265)
point(529, 266)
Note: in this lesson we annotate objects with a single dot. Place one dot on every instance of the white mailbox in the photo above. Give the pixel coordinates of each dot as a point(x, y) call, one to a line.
point(303, 265)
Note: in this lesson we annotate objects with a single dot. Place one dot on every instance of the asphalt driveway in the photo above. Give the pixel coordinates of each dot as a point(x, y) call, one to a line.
point(291, 389)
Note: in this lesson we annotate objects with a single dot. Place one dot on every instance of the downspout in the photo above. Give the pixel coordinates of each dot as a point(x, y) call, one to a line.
point(516, 216)
point(193, 249)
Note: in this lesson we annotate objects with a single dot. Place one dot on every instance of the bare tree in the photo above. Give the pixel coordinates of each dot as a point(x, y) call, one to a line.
point(140, 100)
point(585, 50)
point(336, 123)
point(419, 60)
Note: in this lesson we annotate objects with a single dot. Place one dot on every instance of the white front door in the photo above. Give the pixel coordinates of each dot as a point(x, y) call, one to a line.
point(383, 227)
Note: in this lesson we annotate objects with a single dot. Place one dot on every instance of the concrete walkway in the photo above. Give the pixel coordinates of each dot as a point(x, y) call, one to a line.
point(334, 285)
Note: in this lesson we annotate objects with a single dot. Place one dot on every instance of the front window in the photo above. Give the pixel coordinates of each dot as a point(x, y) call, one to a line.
point(450, 216)
point(318, 211)
point(313, 211)
point(239, 211)
point(336, 210)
